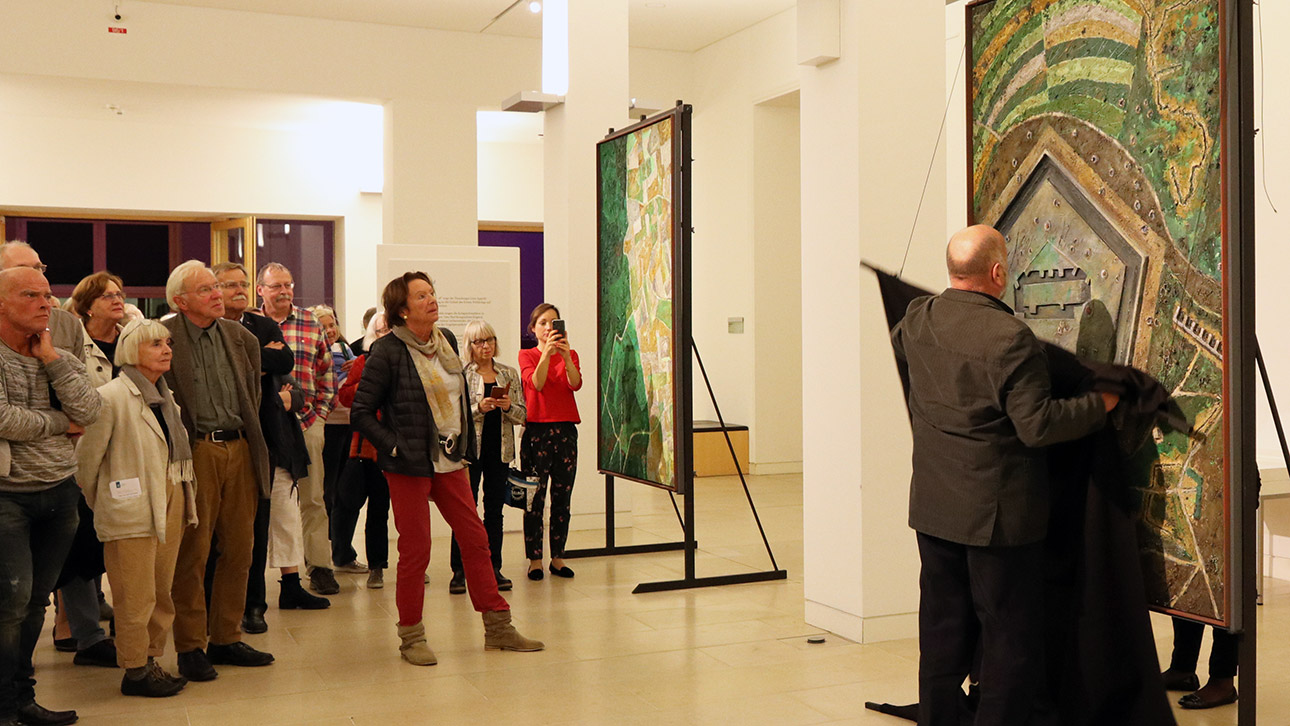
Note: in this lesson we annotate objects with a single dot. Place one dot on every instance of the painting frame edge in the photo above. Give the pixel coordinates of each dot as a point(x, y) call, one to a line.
point(682, 405)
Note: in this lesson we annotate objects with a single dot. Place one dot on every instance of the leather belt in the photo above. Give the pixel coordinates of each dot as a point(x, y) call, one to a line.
point(222, 435)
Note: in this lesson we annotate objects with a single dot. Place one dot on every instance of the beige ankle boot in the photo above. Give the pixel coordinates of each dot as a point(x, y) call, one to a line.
point(499, 634)
point(413, 648)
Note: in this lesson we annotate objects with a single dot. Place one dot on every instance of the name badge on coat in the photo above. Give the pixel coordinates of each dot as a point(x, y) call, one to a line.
point(126, 489)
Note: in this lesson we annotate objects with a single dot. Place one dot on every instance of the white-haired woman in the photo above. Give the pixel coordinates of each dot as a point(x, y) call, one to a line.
point(136, 471)
point(497, 402)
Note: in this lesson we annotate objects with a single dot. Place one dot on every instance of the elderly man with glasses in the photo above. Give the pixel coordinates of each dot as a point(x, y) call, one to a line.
point(215, 377)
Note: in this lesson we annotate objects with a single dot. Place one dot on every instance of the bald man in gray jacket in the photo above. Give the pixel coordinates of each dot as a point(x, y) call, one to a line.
point(981, 409)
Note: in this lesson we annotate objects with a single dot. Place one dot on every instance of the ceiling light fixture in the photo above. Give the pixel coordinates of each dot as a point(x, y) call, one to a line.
point(535, 7)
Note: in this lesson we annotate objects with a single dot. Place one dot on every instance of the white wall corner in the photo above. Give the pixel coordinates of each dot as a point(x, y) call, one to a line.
point(876, 629)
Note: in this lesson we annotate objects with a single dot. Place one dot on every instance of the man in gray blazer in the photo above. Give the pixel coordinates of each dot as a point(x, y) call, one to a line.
point(215, 376)
point(981, 409)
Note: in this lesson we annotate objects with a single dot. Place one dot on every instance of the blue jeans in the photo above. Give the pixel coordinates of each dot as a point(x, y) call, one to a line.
point(35, 535)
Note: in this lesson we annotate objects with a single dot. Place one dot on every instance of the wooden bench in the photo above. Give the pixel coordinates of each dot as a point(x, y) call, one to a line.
point(712, 456)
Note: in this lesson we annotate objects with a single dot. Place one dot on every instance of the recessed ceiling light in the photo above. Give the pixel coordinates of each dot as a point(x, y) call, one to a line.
point(535, 7)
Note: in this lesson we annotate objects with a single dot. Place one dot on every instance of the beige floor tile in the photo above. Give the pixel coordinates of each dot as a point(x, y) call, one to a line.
point(703, 657)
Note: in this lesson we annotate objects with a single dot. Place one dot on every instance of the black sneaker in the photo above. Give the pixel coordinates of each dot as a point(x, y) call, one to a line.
point(457, 585)
point(195, 666)
point(238, 654)
point(101, 654)
point(153, 684)
point(323, 581)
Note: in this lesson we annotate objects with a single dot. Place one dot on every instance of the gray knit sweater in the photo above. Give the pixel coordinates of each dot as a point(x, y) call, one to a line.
point(35, 452)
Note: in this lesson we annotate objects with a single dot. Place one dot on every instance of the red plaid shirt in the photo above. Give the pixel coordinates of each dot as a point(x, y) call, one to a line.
point(313, 369)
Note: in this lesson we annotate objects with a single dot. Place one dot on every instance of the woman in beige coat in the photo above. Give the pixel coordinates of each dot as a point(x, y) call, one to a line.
point(136, 471)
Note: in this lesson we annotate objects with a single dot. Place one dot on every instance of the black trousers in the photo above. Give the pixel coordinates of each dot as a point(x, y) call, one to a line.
point(493, 475)
point(335, 452)
point(1222, 656)
point(361, 480)
point(986, 596)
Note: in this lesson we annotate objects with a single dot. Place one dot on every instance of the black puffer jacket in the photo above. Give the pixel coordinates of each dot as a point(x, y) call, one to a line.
point(392, 386)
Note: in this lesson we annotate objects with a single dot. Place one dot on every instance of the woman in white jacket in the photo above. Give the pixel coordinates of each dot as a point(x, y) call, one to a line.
point(136, 471)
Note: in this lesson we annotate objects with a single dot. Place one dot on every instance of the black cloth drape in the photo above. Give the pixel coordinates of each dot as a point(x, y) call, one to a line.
point(1102, 666)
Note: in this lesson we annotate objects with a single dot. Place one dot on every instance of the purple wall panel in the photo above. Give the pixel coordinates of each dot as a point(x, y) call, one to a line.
point(195, 241)
point(532, 280)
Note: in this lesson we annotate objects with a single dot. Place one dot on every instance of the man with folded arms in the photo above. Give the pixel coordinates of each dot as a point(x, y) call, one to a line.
point(46, 401)
point(215, 378)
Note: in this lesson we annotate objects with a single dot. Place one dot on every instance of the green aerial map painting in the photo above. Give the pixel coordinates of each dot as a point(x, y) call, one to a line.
point(1095, 148)
point(637, 326)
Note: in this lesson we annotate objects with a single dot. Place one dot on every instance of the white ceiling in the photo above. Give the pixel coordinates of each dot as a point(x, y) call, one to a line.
point(684, 25)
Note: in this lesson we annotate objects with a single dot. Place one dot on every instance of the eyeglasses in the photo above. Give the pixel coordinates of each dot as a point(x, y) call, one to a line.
point(112, 296)
point(280, 286)
point(243, 285)
point(484, 341)
point(204, 290)
point(38, 267)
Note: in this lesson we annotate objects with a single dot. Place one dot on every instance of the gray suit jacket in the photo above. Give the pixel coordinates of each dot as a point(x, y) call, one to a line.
point(981, 410)
point(244, 355)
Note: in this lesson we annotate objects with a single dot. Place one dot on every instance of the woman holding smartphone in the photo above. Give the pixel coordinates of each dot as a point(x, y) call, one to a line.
point(550, 375)
point(490, 385)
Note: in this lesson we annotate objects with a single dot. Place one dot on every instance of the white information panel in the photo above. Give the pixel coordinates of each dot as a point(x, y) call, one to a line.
point(471, 283)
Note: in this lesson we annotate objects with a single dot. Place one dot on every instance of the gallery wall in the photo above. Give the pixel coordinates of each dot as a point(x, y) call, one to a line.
point(431, 83)
point(731, 77)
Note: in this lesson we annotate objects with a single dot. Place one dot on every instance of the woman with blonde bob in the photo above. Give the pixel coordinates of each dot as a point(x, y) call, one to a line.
point(136, 471)
point(497, 404)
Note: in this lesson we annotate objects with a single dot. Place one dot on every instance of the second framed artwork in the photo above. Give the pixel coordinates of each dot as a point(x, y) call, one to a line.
point(643, 341)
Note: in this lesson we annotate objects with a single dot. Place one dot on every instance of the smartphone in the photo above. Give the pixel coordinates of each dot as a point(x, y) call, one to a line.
point(499, 392)
point(558, 326)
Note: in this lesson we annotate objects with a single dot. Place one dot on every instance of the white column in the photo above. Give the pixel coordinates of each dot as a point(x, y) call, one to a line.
point(430, 190)
point(596, 100)
point(867, 138)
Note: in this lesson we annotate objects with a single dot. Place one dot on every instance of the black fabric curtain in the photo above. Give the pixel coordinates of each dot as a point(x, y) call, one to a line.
point(1102, 666)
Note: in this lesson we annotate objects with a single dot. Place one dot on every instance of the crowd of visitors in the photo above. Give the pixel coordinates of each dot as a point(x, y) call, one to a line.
point(182, 458)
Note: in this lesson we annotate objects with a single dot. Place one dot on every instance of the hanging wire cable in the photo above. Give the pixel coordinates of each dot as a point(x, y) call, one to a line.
point(940, 133)
point(1263, 129)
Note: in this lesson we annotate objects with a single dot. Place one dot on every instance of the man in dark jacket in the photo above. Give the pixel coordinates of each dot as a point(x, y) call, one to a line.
point(981, 408)
point(281, 434)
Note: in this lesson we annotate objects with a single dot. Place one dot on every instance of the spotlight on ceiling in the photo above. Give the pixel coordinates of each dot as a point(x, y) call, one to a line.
point(535, 7)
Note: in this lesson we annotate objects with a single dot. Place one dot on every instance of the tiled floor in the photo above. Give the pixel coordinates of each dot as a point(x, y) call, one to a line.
point(723, 655)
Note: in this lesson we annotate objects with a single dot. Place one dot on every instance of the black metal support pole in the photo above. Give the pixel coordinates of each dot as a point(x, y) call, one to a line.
point(729, 444)
point(611, 547)
point(609, 512)
point(1272, 403)
point(1240, 346)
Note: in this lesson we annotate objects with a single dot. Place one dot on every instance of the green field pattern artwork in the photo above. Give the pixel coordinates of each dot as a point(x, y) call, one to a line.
point(637, 421)
point(1096, 148)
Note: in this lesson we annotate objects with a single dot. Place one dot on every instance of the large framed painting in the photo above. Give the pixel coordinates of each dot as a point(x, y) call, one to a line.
point(1098, 146)
point(644, 418)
